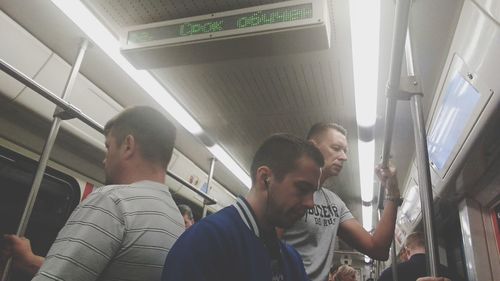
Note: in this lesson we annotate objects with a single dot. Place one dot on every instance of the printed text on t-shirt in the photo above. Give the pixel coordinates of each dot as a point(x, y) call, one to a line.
point(323, 214)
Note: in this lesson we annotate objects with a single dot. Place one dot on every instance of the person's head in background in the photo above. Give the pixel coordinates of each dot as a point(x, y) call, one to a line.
point(414, 244)
point(331, 140)
point(187, 215)
point(343, 273)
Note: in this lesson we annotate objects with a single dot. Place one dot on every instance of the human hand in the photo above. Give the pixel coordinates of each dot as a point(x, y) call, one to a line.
point(19, 249)
point(388, 178)
point(433, 279)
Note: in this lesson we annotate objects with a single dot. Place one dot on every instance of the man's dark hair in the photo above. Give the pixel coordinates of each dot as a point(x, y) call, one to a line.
point(280, 152)
point(186, 210)
point(319, 128)
point(153, 132)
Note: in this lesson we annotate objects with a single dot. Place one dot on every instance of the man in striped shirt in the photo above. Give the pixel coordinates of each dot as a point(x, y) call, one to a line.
point(124, 230)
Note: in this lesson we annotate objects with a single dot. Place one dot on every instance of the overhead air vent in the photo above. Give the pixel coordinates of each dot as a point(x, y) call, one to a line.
point(266, 30)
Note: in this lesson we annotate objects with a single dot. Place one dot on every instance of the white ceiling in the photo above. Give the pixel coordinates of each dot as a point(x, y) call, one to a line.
point(241, 102)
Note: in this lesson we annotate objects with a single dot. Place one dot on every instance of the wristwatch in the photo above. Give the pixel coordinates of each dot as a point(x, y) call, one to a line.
point(397, 200)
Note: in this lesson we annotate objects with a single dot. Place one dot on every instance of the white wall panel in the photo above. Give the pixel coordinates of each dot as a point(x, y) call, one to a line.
point(16, 45)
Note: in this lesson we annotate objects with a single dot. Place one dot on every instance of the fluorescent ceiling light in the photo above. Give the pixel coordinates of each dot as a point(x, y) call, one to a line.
point(367, 213)
point(229, 162)
point(100, 35)
point(365, 31)
point(366, 154)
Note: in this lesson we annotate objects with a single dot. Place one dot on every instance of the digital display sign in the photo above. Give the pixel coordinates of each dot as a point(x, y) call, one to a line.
point(222, 23)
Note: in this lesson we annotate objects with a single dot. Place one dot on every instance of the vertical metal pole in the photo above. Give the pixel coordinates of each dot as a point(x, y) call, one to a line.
point(397, 50)
point(209, 180)
point(394, 264)
point(42, 163)
point(424, 182)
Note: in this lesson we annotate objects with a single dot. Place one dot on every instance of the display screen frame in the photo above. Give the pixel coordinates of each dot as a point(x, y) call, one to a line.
point(216, 24)
point(457, 68)
point(319, 16)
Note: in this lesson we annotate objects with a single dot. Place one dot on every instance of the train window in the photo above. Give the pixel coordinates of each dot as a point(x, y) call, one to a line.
point(59, 194)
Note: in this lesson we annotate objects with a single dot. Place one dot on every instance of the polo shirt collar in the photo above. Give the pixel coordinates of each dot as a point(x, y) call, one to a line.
point(247, 215)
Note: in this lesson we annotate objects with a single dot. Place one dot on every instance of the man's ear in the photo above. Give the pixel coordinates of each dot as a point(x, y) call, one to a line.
point(129, 146)
point(313, 142)
point(263, 175)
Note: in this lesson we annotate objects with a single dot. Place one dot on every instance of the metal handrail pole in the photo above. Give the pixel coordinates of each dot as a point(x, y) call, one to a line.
point(424, 182)
point(209, 181)
point(56, 123)
point(394, 265)
point(397, 51)
point(210, 200)
point(33, 85)
point(74, 111)
point(47, 148)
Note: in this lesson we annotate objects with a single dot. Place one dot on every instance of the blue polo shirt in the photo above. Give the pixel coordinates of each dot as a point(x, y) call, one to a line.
point(228, 246)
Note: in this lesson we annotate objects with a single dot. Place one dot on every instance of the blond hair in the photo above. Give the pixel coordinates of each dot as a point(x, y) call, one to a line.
point(415, 240)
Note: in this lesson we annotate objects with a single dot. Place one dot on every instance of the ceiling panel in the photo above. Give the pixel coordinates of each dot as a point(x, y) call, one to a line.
point(241, 102)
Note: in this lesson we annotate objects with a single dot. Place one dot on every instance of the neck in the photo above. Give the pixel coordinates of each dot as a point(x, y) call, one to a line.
point(258, 206)
point(324, 177)
point(417, 251)
point(141, 172)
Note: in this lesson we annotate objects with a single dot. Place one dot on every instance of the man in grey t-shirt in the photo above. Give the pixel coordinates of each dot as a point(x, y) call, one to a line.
point(314, 235)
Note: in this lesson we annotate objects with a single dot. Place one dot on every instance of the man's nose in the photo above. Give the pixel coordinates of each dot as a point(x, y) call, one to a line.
point(343, 156)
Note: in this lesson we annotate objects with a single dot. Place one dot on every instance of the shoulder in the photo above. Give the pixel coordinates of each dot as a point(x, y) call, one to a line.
point(207, 240)
point(386, 275)
point(291, 252)
point(331, 195)
point(112, 192)
point(214, 228)
point(144, 193)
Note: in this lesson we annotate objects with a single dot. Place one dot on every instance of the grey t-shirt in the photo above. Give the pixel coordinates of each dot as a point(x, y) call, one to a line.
point(120, 232)
point(313, 236)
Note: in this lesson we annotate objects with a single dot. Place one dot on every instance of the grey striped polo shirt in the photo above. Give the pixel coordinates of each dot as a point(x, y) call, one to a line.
point(120, 232)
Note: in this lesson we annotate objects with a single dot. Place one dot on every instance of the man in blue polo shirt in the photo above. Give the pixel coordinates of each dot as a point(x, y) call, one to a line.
point(239, 242)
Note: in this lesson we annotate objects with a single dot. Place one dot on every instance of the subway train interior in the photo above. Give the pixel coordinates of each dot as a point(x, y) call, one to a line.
point(231, 73)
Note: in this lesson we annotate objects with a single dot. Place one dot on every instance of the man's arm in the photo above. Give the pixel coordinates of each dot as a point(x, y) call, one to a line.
point(86, 244)
point(377, 245)
point(23, 258)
